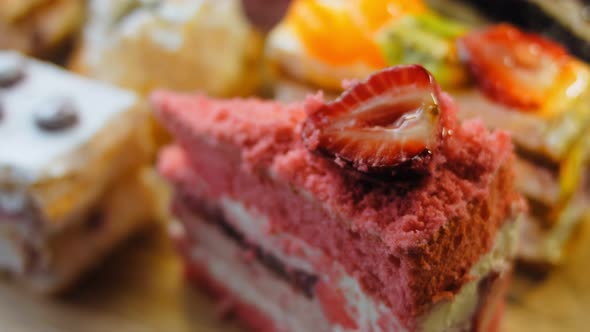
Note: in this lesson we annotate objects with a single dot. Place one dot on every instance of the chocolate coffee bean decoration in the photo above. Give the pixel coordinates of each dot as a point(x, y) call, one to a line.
point(12, 71)
point(264, 14)
point(56, 114)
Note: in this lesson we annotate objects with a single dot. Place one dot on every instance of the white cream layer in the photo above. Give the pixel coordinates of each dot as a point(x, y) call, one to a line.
point(226, 263)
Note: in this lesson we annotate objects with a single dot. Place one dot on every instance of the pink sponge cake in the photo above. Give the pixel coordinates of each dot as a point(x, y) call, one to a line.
point(375, 212)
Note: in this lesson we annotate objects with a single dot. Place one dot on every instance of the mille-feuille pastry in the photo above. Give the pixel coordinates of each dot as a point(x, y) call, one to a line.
point(511, 79)
point(41, 28)
point(74, 175)
point(184, 45)
point(375, 212)
point(532, 87)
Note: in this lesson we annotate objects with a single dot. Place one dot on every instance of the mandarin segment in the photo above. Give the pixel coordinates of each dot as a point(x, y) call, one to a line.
point(330, 33)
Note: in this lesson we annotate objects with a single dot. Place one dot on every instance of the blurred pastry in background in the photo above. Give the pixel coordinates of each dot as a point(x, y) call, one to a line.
point(319, 44)
point(534, 88)
point(182, 45)
point(566, 21)
point(42, 28)
point(513, 80)
point(74, 175)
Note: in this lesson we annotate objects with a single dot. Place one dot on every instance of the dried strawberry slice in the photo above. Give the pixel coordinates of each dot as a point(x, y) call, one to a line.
point(511, 66)
point(389, 121)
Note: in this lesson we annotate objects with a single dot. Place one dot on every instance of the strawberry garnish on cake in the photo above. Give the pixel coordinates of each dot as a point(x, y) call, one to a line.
point(514, 67)
point(388, 123)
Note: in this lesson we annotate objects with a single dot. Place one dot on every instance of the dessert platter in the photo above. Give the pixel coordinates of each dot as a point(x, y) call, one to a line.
point(305, 165)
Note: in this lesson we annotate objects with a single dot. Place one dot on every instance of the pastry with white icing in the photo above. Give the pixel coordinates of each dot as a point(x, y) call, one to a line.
point(185, 45)
point(42, 28)
point(74, 177)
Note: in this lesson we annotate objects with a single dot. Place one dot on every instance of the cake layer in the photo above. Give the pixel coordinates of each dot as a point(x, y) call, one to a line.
point(388, 237)
point(232, 245)
point(545, 243)
point(551, 171)
point(266, 286)
point(49, 261)
point(548, 136)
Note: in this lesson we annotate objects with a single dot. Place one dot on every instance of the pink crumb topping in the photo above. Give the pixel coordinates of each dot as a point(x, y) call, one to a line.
point(267, 134)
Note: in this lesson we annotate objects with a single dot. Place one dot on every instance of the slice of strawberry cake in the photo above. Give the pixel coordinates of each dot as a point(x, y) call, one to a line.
point(375, 212)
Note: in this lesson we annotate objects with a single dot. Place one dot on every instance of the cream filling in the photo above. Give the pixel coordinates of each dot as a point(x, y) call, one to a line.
point(368, 311)
point(448, 315)
point(255, 285)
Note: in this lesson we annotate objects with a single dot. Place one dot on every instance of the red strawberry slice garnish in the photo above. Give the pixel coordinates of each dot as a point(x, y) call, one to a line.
point(388, 122)
point(513, 67)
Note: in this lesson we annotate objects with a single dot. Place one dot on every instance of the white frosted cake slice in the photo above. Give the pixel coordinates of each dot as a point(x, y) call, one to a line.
point(73, 179)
